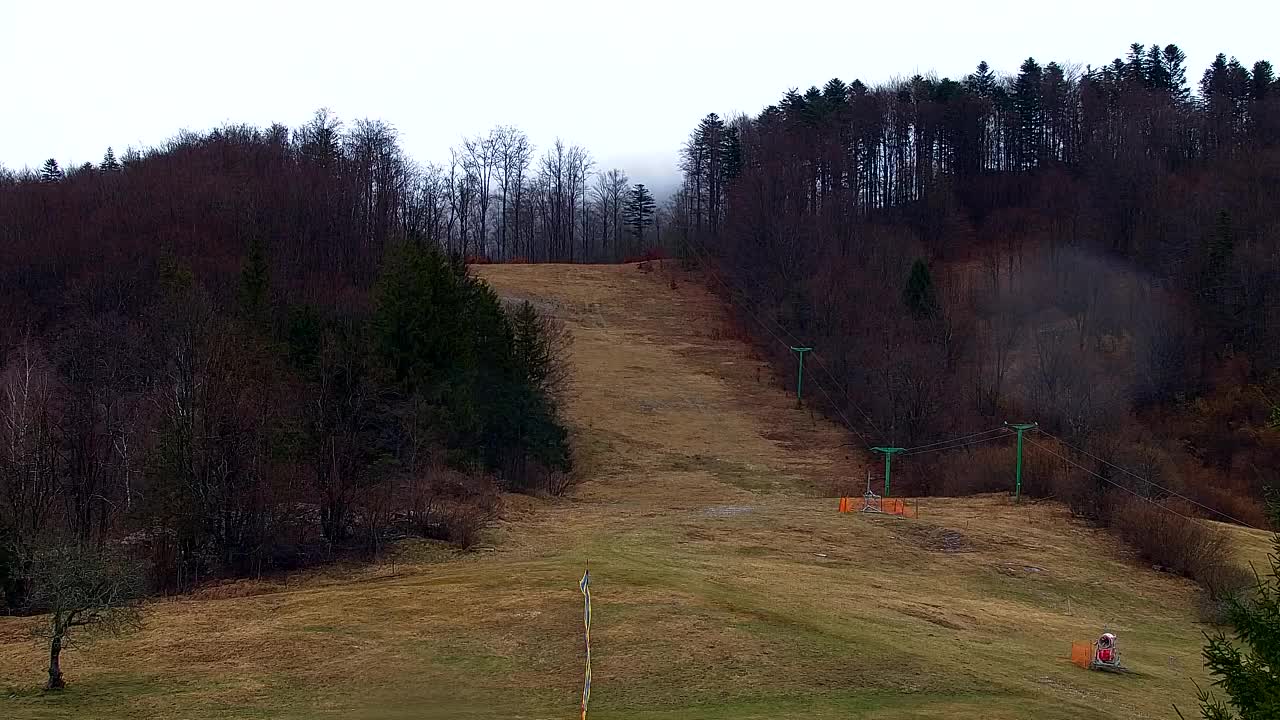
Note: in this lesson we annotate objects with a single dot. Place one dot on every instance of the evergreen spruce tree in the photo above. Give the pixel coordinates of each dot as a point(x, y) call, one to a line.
point(815, 106)
point(532, 353)
point(539, 433)
point(1223, 91)
point(982, 81)
point(835, 92)
point(638, 213)
point(1028, 103)
point(1220, 252)
point(1135, 66)
point(50, 172)
point(1247, 667)
point(1214, 80)
point(109, 162)
point(919, 295)
point(1116, 70)
point(710, 136)
point(1056, 110)
point(424, 334)
point(1264, 78)
point(1157, 74)
point(732, 152)
point(303, 334)
point(1240, 83)
point(1219, 302)
point(1174, 63)
point(795, 109)
point(420, 319)
point(255, 281)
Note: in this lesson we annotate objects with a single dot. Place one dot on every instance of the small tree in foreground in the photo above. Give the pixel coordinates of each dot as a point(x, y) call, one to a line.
point(85, 592)
point(1247, 669)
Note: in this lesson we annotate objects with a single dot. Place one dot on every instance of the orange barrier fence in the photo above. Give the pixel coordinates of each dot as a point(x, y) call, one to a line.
point(896, 506)
point(1082, 654)
point(889, 506)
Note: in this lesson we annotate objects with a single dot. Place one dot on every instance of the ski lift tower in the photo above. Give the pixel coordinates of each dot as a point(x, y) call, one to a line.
point(871, 502)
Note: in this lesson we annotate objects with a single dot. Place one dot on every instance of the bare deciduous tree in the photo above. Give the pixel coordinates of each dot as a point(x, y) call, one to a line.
point(610, 193)
point(28, 450)
point(480, 158)
point(580, 164)
point(514, 152)
point(85, 591)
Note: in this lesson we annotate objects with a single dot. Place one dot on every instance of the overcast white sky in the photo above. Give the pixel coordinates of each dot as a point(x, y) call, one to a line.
point(626, 80)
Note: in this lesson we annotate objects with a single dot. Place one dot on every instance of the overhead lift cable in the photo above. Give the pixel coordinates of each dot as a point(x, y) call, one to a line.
point(922, 448)
point(1110, 481)
point(957, 446)
point(1149, 483)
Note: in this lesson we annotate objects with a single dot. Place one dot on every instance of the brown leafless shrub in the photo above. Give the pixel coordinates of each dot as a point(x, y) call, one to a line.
point(1084, 495)
point(1178, 542)
point(560, 341)
point(1234, 504)
point(1224, 584)
point(454, 506)
point(1225, 581)
point(558, 483)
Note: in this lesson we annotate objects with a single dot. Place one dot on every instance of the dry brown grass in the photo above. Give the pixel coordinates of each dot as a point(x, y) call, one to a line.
point(657, 372)
point(725, 587)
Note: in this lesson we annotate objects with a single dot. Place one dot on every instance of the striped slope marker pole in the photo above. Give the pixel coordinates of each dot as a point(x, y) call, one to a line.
point(585, 587)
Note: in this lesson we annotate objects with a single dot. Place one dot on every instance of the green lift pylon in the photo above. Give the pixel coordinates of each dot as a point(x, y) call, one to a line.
point(1021, 428)
point(800, 370)
point(888, 462)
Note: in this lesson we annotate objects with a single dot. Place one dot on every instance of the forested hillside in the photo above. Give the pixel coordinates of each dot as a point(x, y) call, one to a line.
point(498, 198)
point(246, 351)
point(1095, 249)
point(253, 348)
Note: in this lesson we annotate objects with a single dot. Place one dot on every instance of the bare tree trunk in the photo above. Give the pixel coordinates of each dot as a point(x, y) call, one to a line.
point(55, 668)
